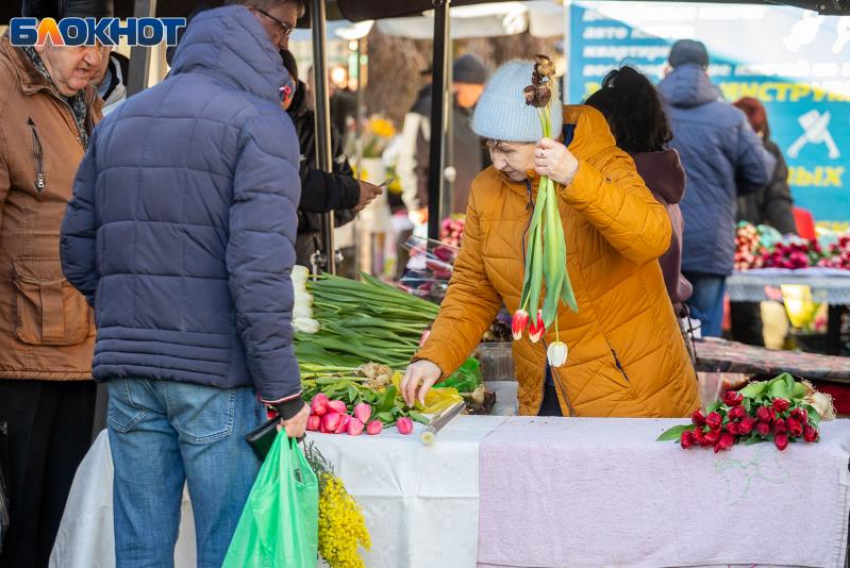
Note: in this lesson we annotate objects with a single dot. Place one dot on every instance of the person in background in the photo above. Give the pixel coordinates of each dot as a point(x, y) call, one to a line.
point(627, 356)
point(181, 234)
point(468, 77)
point(48, 110)
point(771, 205)
point(723, 159)
point(320, 191)
point(111, 78)
point(635, 113)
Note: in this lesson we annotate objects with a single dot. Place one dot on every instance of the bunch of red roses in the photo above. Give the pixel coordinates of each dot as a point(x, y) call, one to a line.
point(768, 411)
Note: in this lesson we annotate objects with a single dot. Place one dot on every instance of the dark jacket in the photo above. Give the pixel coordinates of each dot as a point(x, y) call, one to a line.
point(46, 328)
point(723, 159)
point(771, 205)
point(181, 232)
point(665, 178)
point(321, 191)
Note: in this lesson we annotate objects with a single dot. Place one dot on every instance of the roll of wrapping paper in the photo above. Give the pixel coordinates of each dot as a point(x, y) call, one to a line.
point(440, 421)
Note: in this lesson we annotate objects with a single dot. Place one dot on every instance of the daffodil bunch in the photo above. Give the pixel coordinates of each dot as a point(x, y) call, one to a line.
point(342, 526)
point(546, 276)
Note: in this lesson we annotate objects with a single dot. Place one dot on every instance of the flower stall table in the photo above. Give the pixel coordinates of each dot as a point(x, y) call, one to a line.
point(548, 492)
point(751, 285)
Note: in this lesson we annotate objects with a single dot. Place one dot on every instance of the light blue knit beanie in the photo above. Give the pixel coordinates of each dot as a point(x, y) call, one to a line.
point(501, 112)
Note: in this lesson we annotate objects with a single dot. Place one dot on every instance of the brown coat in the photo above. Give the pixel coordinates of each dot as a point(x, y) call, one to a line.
point(627, 357)
point(46, 328)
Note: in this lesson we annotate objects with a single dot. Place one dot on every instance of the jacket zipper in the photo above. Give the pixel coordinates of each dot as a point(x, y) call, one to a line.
point(547, 370)
point(619, 365)
point(38, 152)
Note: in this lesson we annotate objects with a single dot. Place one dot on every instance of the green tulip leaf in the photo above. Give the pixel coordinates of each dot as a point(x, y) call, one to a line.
point(753, 390)
point(674, 433)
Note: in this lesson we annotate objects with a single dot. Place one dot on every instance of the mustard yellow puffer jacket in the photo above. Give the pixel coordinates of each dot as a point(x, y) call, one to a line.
point(627, 356)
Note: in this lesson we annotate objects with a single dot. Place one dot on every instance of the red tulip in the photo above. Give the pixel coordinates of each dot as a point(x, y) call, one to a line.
point(763, 429)
point(537, 329)
point(714, 420)
point(711, 438)
point(795, 428)
point(738, 413)
point(732, 428)
point(363, 412)
point(319, 404)
point(330, 422)
point(355, 427)
point(519, 323)
point(698, 418)
point(688, 439)
point(337, 406)
point(781, 405)
point(781, 441)
point(404, 425)
point(780, 426)
point(344, 421)
point(800, 414)
point(374, 427)
point(746, 426)
point(732, 398)
point(724, 443)
point(314, 423)
point(810, 434)
point(765, 414)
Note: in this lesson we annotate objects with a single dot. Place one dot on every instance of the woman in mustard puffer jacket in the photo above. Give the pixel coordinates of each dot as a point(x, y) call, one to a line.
point(627, 356)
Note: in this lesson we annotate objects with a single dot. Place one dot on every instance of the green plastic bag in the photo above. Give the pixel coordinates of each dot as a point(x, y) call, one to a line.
point(279, 527)
point(466, 379)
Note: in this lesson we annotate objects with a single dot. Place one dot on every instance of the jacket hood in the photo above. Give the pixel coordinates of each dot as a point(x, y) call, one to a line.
point(688, 86)
point(663, 173)
point(231, 44)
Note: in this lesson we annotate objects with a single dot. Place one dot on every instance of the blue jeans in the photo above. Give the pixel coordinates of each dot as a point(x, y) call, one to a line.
point(706, 304)
point(163, 434)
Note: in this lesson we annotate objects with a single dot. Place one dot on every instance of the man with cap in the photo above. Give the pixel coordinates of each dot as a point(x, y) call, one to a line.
point(48, 110)
point(468, 159)
point(723, 159)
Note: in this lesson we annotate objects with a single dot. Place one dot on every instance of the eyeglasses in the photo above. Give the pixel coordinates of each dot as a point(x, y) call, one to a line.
point(285, 28)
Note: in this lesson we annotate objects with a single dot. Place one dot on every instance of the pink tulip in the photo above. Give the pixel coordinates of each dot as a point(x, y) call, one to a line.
point(330, 422)
point(374, 427)
point(537, 329)
point(314, 423)
point(363, 411)
point(355, 427)
point(344, 421)
point(319, 404)
point(519, 323)
point(404, 425)
point(337, 406)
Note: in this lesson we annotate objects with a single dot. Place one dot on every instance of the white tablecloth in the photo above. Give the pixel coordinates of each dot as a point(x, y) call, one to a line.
point(749, 286)
point(420, 503)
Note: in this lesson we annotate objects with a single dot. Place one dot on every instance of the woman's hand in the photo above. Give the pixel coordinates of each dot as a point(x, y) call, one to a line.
point(421, 375)
point(552, 159)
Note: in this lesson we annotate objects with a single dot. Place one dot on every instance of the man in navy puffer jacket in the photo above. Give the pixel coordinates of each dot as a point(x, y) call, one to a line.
point(181, 235)
point(723, 158)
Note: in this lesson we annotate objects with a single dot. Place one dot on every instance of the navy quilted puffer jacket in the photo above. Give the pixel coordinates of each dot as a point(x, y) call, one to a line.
point(182, 227)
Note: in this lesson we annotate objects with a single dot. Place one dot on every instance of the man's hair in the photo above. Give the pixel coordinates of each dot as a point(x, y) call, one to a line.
point(266, 4)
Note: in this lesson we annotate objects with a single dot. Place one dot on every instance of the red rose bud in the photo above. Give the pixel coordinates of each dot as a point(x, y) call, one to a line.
point(732, 398)
point(746, 426)
point(810, 434)
point(764, 414)
point(519, 323)
point(355, 427)
point(319, 404)
point(780, 426)
point(795, 428)
point(732, 428)
point(781, 441)
point(714, 420)
point(314, 423)
point(344, 421)
point(374, 427)
point(698, 418)
point(711, 438)
point(688, 439)
point(404, 425)
point(337, 406)
point(724, 443)
point(781, 405)
point(763, 429)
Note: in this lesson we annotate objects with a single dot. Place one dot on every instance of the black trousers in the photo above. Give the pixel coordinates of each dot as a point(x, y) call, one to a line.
point(50, 431)
point(550, 406)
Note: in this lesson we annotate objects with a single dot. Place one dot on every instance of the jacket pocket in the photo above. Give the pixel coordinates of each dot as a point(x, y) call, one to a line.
point(49, 310)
